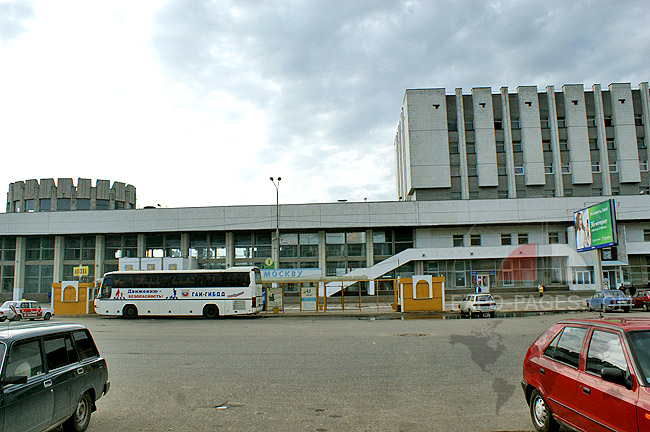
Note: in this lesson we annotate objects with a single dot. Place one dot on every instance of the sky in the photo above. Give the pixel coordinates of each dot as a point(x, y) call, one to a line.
point(197, 103)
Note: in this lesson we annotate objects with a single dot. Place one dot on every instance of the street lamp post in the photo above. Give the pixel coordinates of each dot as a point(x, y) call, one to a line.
point(277, 219)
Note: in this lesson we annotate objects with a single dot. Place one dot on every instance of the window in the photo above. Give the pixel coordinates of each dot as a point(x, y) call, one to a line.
point(566, 346)
point(613, 167)
point(471, 149)
point(7, 248)
point(638, 121)
point(59, 351)
point(506, 239)
point(83, 204)
point(519, 170)
point(85, 345)
point(452, 126)
point(25, 359)
point(39, 248)
point(471, 171)
point(500, 146)
point(475, 240)
point(356, 242)
point(29, 206)
point(611, 145)
point(522, 238)
point(553, 238)
point(502, 194)
point(548, 169)
point(543, 123)
point(469, 125)
point(566, 169)
point(453, 148)
point(117, 247)
point(605, 350)
point(79, 248)
point(308, 245)
point(591, 121)
point(593, 144)
point(546, 146)
point(561, 123)
point(459, 240)
point(608, 122)
point(564, 145)
point(44, 204)
point(382, 243)
point(640, 144)
point(288, 245)
point(63, 204)
point(643, 166)
point(102, 204)
point(498, 125)
point(514, 123)
point(595, 167)
point(516, 146)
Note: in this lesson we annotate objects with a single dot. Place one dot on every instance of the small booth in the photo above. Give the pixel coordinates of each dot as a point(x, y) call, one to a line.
point(423, 293)
point(73, 298)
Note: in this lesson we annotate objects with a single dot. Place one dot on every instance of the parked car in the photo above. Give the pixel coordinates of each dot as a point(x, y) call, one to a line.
point(641, 299)
point(30, 309)
point(473, 304)
point(609, 300)
point(590, 375)
point(52, 374)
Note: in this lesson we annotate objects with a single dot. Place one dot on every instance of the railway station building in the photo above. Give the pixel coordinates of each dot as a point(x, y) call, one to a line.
point(486, 186)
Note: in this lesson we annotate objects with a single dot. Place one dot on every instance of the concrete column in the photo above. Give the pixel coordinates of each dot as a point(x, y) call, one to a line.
point(19, 268)
point(230, 250)
point(322, 257)
point(185, 245)
point(645, 104)
point(555, 142)
point(606, 179)
point(462, 144)
point(142, 245)
point(507, 142)
point(57, 271)
point(370, 250)
point(100, 251)
point(627, 152)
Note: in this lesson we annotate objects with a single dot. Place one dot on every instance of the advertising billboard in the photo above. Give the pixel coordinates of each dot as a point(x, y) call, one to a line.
point(595, 226)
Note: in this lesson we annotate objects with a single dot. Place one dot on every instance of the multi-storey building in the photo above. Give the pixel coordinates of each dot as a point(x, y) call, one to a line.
point(487, 185)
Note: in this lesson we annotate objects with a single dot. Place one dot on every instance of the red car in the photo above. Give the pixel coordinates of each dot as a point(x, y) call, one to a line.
point(641, 299)
point(590, 375)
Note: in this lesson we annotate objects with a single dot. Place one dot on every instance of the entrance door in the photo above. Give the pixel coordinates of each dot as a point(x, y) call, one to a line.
point(483, 281)
point(612, 278)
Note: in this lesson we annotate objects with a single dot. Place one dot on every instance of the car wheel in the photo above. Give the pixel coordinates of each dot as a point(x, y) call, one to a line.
point(626, 309)
point(541, 414)
point(17, 318)
point(81, 417)
point(210, 311)
point(589, 306)
point(2, 319)
point(47, 316)
point(130, 312)
point(493, 314)
point(645, 307)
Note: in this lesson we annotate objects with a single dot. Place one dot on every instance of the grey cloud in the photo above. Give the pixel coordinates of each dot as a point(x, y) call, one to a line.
point(335, 72)
point(12, 18)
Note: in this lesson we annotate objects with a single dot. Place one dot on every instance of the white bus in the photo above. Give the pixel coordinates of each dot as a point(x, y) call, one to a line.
point(211, 293)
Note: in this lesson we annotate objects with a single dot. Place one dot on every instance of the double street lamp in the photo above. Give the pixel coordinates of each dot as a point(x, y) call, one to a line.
point(277, 219)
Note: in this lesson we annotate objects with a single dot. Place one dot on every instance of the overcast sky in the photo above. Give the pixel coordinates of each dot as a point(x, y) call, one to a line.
point(198, 103)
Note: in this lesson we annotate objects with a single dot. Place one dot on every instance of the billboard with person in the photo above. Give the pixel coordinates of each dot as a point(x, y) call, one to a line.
point(595, 226)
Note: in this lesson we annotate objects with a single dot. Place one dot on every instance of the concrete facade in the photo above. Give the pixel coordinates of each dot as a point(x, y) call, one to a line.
point(528, 144)
point(45, 196)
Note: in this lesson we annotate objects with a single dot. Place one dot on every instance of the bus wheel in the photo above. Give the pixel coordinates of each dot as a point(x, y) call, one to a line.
point(210, 311)
point(130, 311)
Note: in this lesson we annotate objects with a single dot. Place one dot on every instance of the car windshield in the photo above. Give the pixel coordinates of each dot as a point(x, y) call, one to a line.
point(614, 293)
point(640, 343)
point(7, 304)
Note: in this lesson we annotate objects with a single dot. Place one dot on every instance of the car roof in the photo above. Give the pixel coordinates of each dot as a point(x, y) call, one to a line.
point(625, 324)
point(13, 331)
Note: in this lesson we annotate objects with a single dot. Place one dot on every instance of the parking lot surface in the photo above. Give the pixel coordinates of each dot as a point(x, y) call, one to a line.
point(315, 373)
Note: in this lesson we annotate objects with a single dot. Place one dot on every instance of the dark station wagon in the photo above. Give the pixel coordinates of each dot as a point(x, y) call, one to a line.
point(52, 375)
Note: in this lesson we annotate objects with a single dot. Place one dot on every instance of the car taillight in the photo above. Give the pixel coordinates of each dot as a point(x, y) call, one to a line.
point(254, 299)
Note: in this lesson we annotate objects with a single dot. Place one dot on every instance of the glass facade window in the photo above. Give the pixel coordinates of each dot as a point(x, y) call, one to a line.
point(382, 243)
point(334, 244)
point(243, 245)
point(83, 204)
point(102, 204)
point(522, 238)
point(217, 246)
point(163, 245)
point(7, 248)
point(309, 245)
point(475, 240)
point(262, 246)
point(44, 204)
point(39, 249)
point(29, 206)
point(6, 279)
point(38, 278)
point(79, 248)
point(63, 204)
point(458, 240)
point(506, 239)
point(121, 246)
point(289, 245)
